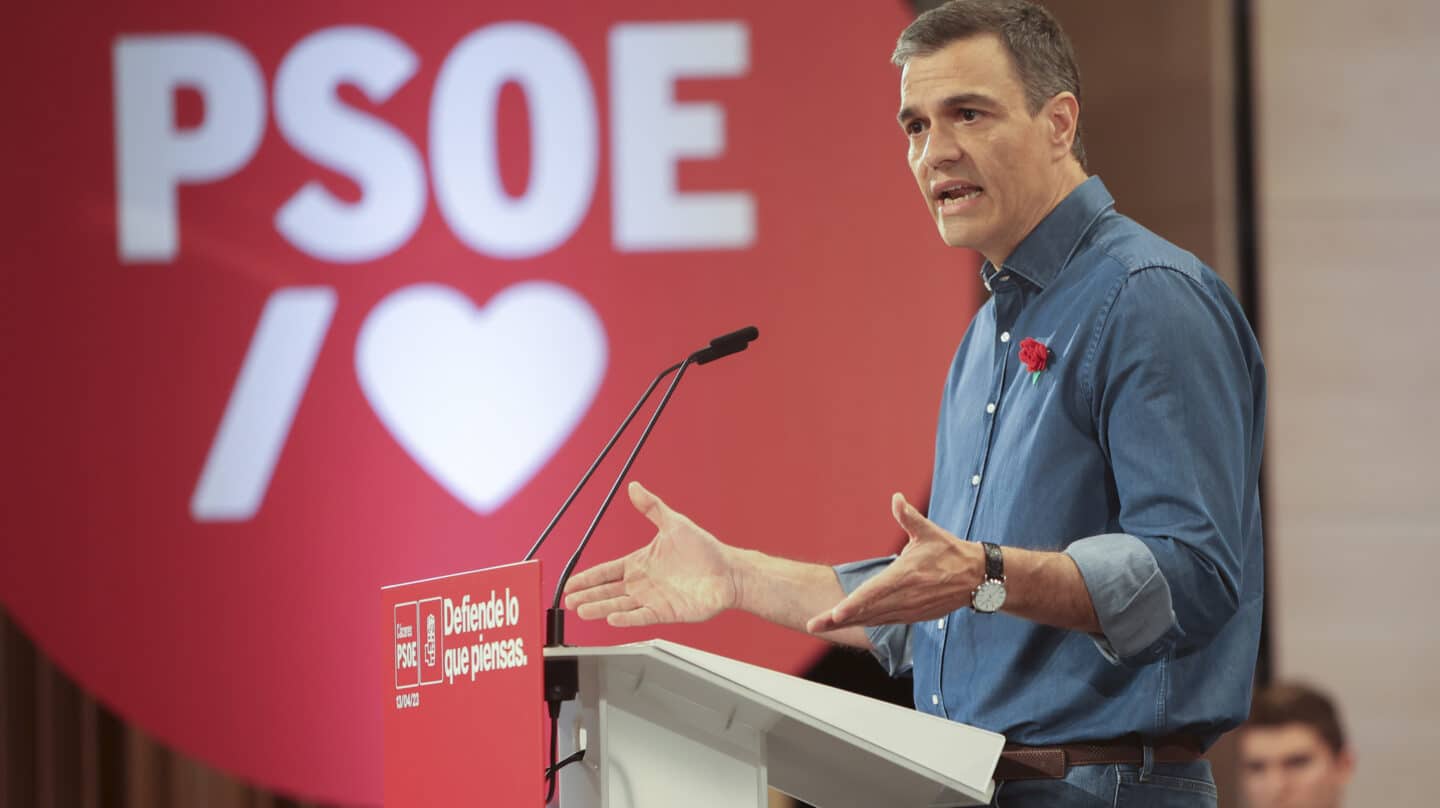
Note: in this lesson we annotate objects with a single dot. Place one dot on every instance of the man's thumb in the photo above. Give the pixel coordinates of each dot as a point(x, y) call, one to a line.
point(647, 503)
point(911, 520)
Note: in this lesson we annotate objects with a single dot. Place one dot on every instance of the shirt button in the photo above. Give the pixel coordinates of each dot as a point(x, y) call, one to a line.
point(934, 699)
point(1005, 336)
point(990, 408)
point(940, 624)
point(975, 480)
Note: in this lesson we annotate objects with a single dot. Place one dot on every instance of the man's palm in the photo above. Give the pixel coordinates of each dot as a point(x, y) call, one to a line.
point(682, 576)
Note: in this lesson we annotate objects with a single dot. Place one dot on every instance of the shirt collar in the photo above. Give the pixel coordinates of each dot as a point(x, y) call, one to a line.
point(1044, 252)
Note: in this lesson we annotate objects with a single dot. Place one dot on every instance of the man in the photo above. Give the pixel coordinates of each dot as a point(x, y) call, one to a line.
point(1292, 750)
point(1090, 569)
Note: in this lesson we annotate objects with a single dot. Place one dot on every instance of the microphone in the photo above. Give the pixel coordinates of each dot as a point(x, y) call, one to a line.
point(720, 347)
point(726, 344)
point(585, 478)
point(562, 677)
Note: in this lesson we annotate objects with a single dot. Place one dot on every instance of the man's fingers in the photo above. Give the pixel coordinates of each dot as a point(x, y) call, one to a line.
point(576, 599)
point(612, 570)
point(820, 623)
point(841, 615)
point(642, 616)
point(826, 621)
point(900, 613)
point(647, 503)
point(877, 587)
point(854, 608)
point(880, 601)
point(880, 613)
point(604, 608)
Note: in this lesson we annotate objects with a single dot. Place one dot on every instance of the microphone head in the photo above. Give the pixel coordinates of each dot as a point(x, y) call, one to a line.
point(726, 344)
point(747, 334)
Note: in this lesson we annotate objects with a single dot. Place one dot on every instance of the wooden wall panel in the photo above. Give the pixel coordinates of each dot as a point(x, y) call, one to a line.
point(18, 770)
point(59, 748)
point(1350, 203)
point(1157, 85)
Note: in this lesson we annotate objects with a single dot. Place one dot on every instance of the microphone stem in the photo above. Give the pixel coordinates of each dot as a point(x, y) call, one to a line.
point(619, 478)
point(554, 520)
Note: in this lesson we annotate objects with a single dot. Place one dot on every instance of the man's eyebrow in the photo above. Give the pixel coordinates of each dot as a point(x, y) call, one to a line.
point(957, 100)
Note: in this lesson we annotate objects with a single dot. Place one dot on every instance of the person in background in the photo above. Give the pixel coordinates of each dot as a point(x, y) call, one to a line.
point(1293, 752)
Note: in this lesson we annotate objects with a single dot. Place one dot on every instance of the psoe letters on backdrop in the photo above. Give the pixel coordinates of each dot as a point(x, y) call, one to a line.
point(650, 132)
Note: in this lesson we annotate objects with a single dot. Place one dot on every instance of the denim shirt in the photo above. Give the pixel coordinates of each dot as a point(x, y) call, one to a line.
point(1137, 453)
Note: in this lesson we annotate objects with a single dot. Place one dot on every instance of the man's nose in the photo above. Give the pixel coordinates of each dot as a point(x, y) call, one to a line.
point(942, 148)
point(1275, 787)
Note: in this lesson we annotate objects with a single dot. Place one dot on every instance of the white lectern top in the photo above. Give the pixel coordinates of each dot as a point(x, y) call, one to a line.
point(826, 746)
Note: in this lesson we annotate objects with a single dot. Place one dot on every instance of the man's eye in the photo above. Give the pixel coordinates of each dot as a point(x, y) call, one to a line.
point(913, 128)
point(1298, 761)
point(970, 115)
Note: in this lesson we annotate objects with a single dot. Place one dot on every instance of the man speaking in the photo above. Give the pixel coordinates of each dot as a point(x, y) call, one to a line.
point(1088, 580)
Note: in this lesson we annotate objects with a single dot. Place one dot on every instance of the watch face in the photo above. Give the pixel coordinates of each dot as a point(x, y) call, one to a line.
point(989, 596)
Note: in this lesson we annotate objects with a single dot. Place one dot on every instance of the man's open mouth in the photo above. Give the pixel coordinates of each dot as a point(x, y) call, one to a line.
point(953, 197)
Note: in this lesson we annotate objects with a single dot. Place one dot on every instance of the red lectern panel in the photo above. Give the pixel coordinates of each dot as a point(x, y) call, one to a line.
point(463, 676)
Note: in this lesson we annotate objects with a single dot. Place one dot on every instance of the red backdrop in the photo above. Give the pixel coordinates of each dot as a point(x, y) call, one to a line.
point(218, 587)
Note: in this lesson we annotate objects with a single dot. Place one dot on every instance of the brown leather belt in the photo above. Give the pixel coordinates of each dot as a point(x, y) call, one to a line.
point(1051, 762)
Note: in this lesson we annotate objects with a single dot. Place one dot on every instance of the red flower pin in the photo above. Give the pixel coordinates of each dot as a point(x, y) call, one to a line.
point(1036, 356)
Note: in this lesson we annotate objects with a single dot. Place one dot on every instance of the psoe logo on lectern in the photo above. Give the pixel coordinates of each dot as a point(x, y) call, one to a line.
point(418, 643)
point(432, 641)
point(407, 665)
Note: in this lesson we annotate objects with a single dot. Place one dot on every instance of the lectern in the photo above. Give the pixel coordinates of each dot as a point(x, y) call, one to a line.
point(667, 725)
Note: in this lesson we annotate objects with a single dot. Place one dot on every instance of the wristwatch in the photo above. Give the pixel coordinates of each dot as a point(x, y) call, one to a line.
point(989, 596)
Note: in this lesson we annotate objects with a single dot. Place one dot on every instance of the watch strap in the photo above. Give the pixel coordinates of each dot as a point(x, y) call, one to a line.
point(994, 561)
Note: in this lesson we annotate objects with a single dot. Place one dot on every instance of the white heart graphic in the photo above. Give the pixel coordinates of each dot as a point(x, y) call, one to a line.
point(481, 397)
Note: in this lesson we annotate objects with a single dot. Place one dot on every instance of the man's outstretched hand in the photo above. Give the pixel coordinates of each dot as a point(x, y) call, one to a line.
point(684, 575)
point(935, 574)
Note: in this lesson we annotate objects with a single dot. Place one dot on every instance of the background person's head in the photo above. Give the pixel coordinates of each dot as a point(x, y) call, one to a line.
point(1292, 750)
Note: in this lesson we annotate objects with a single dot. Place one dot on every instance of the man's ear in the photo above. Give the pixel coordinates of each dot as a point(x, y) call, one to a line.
point(1345, 764)
point(1062, 114)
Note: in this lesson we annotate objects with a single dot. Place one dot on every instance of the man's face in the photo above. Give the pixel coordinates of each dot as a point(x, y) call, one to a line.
point(986, 167)
point(1290, 766)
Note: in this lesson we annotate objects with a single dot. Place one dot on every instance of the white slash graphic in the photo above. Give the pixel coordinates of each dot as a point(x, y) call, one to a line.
point(262, 406)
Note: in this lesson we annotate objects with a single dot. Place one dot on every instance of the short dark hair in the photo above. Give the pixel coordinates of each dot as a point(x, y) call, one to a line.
point(1295, 703)
point(1040, 52)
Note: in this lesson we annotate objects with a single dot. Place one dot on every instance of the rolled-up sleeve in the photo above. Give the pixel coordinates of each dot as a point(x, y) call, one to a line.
point(1175, 404)
point(889, 644)
point(1130, 595)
